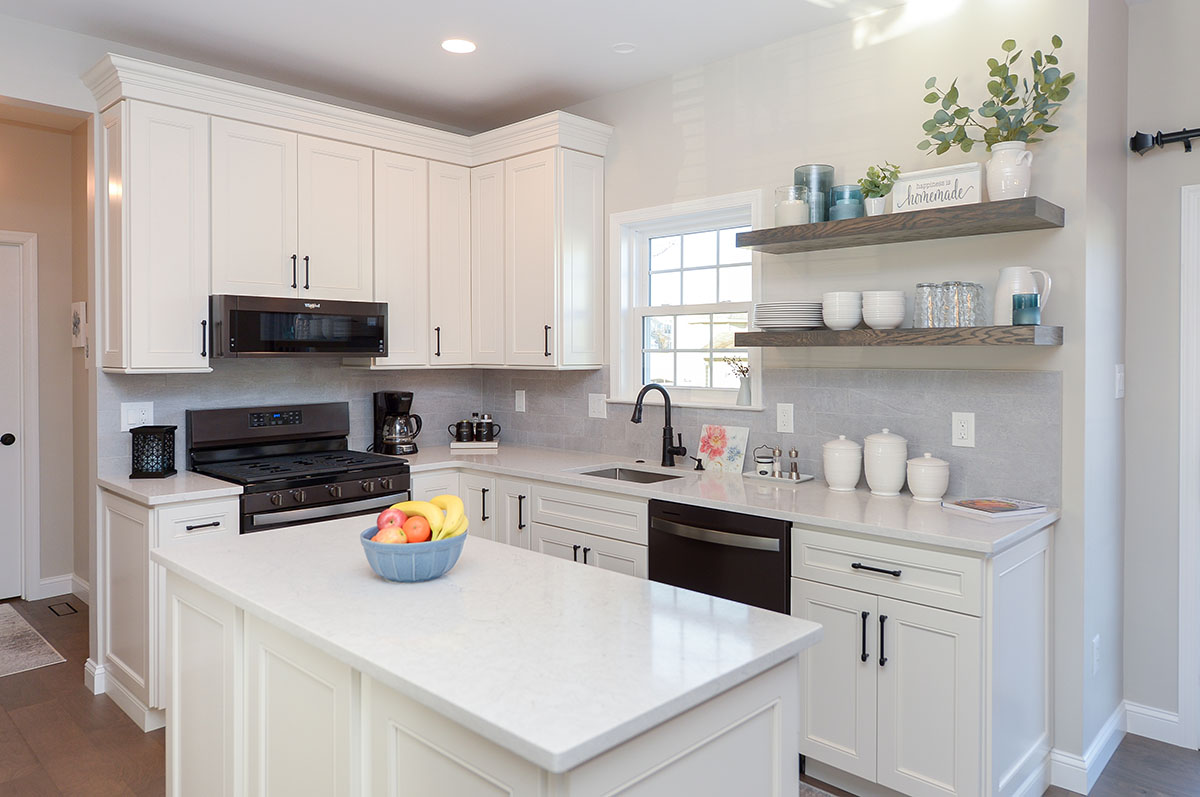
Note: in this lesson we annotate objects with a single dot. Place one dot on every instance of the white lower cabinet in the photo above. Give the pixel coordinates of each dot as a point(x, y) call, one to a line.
point(589, 549)
point(479, 499)
point(514, 501)
point(430, 485)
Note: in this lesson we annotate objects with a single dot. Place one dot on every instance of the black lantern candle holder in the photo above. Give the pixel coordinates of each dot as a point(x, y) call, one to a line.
point(153, 452)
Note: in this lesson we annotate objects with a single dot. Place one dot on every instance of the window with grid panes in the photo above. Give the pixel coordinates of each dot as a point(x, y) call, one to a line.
point(697, 290)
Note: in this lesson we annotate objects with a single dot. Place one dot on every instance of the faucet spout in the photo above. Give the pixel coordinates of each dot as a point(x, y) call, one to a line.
point(670, 449)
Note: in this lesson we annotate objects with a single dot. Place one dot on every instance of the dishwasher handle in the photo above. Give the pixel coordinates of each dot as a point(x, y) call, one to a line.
point(715, 537)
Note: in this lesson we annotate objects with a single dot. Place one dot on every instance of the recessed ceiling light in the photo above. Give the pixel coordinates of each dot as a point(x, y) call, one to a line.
point(458, 46)
point(623, 48)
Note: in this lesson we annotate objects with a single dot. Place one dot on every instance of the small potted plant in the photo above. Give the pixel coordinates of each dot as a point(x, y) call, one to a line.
point(877, 185)
point(740, 369)
point(1017, 112)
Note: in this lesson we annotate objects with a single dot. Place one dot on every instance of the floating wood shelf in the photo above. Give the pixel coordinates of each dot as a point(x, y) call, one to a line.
point(952, 336)
point(983, 218)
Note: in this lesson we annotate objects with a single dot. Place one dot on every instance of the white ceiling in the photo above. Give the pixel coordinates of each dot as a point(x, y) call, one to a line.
point(534, 55)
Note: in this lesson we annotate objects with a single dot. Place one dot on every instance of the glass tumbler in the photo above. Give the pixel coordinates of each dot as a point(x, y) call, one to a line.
point(971, 304)
point(925, 306)
point(950, 304)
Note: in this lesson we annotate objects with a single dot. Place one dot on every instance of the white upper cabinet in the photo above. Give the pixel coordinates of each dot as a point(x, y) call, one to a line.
point(292, 214)
point(402, 256)
point(254, 232)
point(487, 264)
point(449, 264)
point(155, 280)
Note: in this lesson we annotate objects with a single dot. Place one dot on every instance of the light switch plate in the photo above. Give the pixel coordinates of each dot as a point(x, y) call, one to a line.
point(520, 400)
point(783, 418)
point(597, 408)
point(962, 429)
point(1119, 386)
point(136, 413)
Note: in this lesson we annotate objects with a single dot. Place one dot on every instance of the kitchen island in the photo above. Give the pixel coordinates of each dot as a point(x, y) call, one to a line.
point(293, 669)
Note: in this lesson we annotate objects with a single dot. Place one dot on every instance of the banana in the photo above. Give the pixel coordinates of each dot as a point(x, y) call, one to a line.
point(448, 531)
point(453, 505)
point(432, 513)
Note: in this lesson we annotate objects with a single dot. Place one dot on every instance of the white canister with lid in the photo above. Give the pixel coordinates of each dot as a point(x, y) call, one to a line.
point(884, 458)
point(842, 460)
point(928, 477)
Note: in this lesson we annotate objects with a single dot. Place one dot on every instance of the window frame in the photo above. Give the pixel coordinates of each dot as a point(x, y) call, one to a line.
point(629, 287)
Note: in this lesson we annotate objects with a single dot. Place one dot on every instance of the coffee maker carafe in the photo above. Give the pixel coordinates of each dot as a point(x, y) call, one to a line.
point(396, 428)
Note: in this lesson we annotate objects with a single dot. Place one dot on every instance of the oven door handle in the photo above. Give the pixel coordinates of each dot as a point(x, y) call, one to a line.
point(715, 537)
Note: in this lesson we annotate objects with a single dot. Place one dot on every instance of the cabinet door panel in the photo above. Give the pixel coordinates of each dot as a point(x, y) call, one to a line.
point(402, 255)
point(581, 337)
point(531, 259)
point(254, 209)
point(449, 264)
point(554, 541)
point(479, 496)
point(617, 556)
point(429, 485)
point(930, 701)
point(514, 518)
point(335, 220)
point(838, 688)
point(487, 263)
point(130, 629)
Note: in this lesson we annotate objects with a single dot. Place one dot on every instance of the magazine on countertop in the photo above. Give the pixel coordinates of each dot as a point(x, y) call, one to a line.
point(994, 508)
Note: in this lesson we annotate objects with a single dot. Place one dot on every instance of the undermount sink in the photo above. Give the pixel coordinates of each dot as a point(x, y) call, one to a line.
point(630, 475)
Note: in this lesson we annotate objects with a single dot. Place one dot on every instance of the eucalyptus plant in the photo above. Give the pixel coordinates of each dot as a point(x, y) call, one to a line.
point(1017, 108)
point(879, 180)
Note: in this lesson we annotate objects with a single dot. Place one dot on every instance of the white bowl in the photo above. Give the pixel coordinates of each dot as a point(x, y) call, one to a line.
point(869, 296)
point(844, 296)
point(843, 323)
point(893, 322)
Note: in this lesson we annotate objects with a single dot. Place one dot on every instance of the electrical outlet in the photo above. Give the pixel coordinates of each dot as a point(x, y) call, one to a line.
point(597, 408)
point(783, 418)
point(1119, 370)
point(520, 401)
point(136, 413)
point(962, 429)
point(1095, 654)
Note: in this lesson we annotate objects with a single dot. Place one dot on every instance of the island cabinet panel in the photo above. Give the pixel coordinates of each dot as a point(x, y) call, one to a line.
point(299, 707)
point(203, 692)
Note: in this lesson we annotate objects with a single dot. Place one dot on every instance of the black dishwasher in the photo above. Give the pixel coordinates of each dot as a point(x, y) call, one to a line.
point(727, 554)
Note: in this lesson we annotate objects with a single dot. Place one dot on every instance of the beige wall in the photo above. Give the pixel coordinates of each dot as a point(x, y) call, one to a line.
point(1162, 96)
point(35, 196)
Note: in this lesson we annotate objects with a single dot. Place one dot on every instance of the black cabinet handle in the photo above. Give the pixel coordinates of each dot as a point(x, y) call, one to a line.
point(204, 338)
point(865, 655)
point(212, 525)
point(882, 655)
point(438, 350)
point(306, 272)
point(483, 504)
point(547, 340)
point(7, 439)
point(294, 272)
point(575, 553)
point(861, 566)
point(520, 511)
point(585, 553)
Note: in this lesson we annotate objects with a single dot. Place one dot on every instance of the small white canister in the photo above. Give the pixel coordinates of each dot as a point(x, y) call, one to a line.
point(842, 460)
point(928, 477)
point(884, 458)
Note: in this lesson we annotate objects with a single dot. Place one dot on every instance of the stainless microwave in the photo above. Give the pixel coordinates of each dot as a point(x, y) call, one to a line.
point(256, 326)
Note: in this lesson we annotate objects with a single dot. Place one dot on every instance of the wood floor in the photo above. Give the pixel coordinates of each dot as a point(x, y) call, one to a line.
point(1145, 768)
point(58, 738)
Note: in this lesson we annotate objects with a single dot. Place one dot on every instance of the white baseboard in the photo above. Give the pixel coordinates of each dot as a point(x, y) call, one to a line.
point(49, 588)
point(146, 718)
point(1038, 781)
point(1079, 773)
point(94, 677)
point(80, 589)
point(1154, 723)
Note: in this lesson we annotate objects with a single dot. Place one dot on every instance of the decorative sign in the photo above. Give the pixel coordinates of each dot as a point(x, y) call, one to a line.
point(938, 188)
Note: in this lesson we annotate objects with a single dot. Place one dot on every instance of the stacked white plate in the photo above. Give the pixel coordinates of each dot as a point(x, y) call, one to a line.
point(883, 309)
point(797, 314)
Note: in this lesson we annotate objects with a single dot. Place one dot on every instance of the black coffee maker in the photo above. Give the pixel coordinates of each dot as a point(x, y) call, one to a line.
point(396, 428)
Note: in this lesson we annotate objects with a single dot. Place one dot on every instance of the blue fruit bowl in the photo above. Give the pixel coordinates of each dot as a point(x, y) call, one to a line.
point(412, 561)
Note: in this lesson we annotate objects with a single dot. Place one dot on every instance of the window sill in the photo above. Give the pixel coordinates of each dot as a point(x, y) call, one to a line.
point(696, 405)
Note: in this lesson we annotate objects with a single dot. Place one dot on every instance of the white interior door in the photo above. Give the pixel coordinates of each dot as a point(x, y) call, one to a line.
point(12, 487)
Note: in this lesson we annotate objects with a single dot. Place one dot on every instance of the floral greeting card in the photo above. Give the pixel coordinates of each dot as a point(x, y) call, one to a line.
point(723, 448)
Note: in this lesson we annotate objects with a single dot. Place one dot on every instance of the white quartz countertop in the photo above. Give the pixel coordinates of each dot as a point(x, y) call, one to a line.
point(554, 661)
point(810, 503)
point(183, 486)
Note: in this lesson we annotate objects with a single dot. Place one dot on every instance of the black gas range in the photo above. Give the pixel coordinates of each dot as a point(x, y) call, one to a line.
point(294, 463)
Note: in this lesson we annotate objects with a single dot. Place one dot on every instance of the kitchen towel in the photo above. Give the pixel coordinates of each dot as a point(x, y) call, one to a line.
point(22, 648)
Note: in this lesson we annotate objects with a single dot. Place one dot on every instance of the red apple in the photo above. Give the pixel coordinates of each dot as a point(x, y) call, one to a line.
point(390, 517)
point(416, 529)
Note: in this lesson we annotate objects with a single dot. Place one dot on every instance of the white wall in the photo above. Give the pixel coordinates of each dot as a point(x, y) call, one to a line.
point(1161, 97)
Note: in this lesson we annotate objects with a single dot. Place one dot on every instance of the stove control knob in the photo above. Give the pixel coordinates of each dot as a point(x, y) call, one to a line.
point(298, 496)
point(276, 499)
point(367, 485)
point(335, 491)
point(386, 482)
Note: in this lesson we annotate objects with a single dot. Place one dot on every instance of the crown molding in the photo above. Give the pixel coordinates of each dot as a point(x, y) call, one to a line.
point(118, 77)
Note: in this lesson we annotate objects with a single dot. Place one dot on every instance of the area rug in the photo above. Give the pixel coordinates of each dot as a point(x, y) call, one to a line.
point(812, 791)
point(22, 648)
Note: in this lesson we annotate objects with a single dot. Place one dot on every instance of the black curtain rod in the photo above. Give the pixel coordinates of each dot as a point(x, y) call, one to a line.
point(1141, 142)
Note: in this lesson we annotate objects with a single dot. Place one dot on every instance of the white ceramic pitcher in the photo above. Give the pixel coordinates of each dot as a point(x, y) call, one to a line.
point(1017, 279)
point(1009, 171)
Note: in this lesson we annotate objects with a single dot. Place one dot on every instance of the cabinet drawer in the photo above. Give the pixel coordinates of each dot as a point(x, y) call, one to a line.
point(933, 578)
point(594, 513)
point(197, 520)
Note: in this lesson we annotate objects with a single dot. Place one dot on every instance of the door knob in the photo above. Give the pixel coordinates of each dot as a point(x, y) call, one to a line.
point(7, 439)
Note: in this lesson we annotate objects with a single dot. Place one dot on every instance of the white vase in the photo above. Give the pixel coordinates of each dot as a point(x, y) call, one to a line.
point(876, 205)
point(1017, 279)
point(743, 397)
point(1009, 171)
